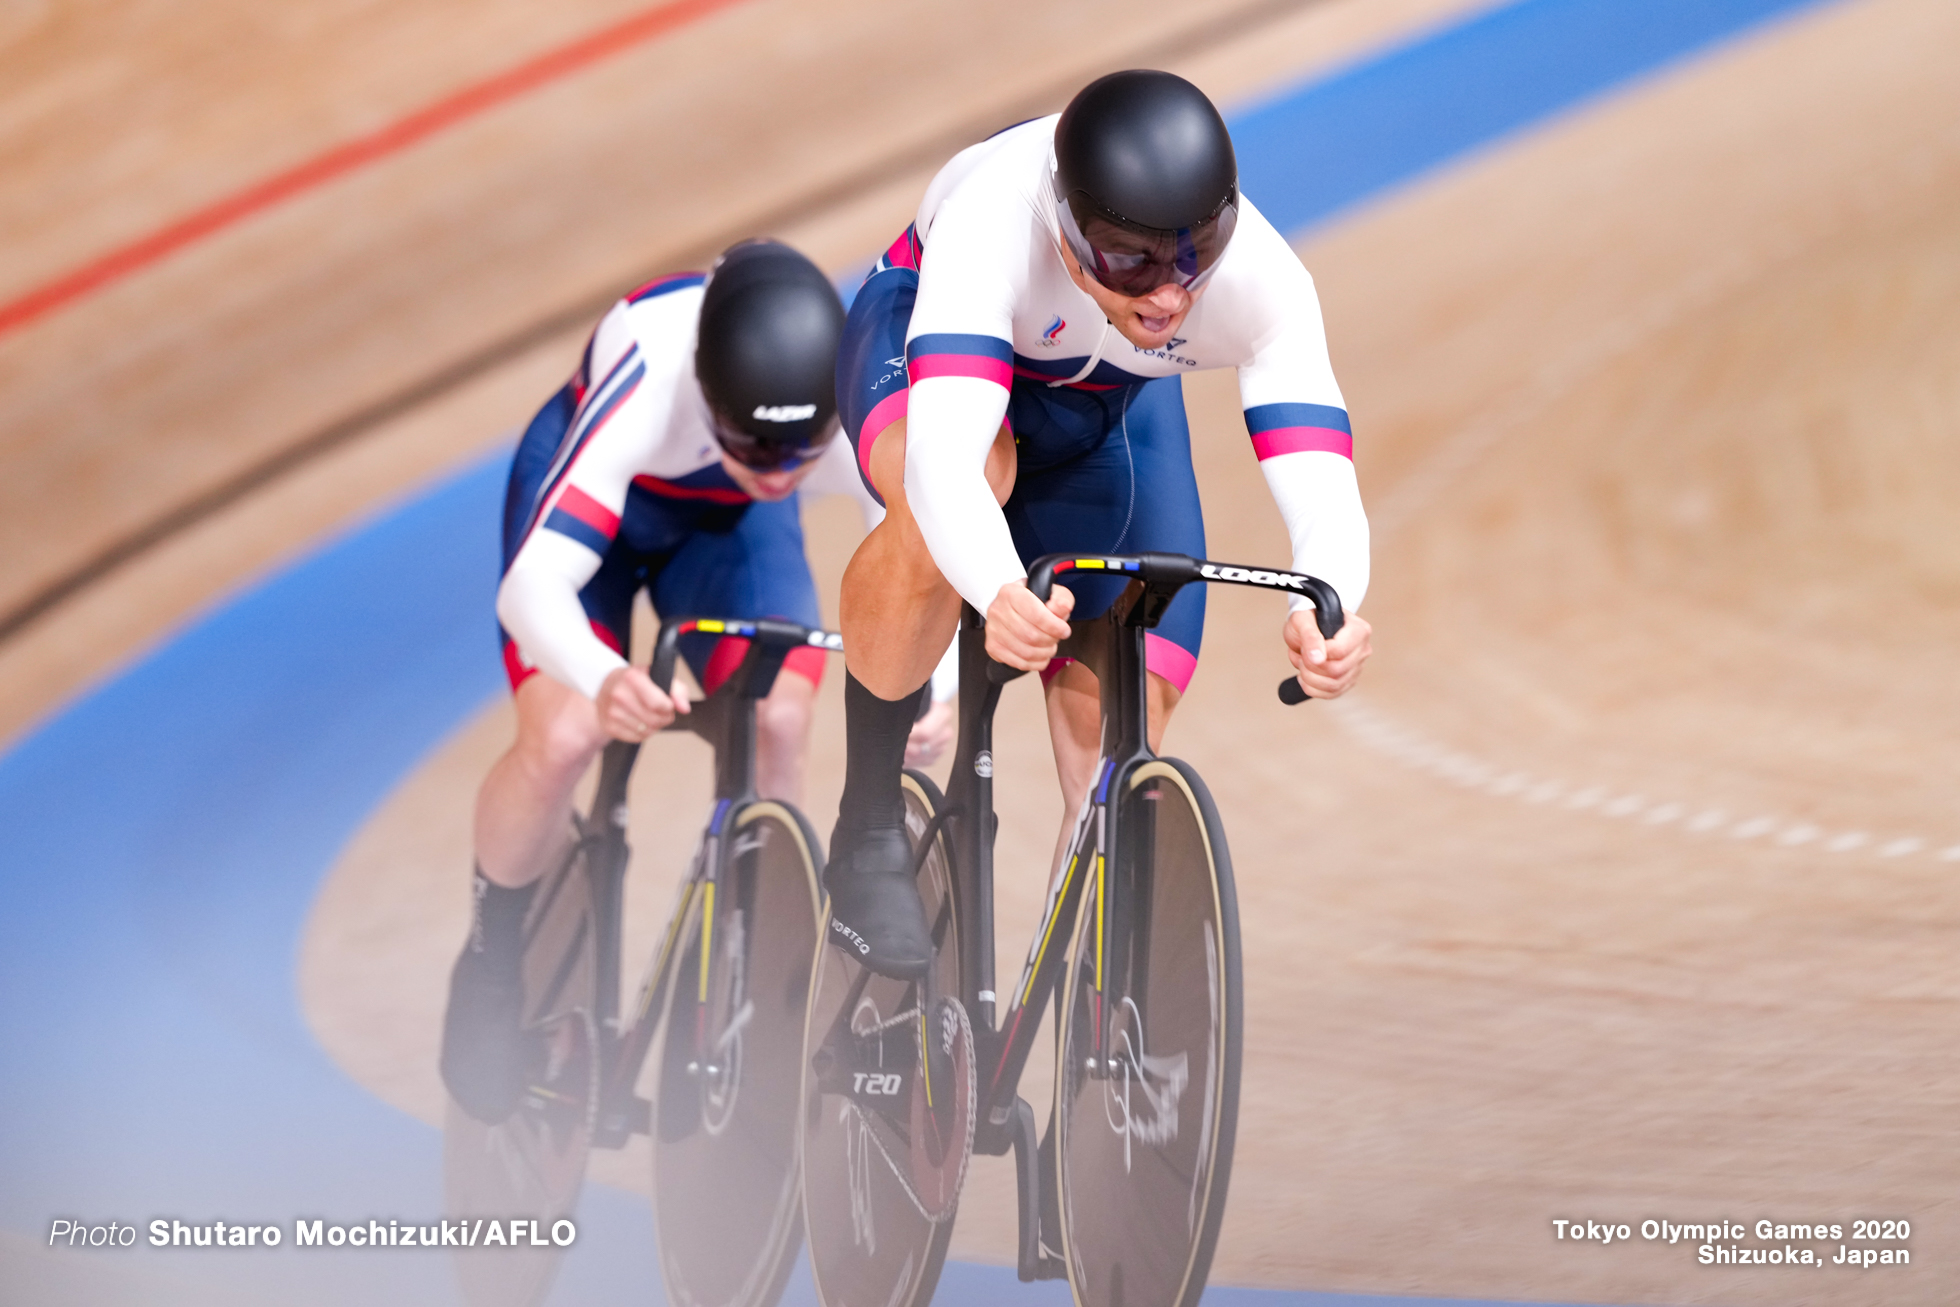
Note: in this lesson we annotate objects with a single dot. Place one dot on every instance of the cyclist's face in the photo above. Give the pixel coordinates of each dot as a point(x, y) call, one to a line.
point(767, 486)
point(1146, 321)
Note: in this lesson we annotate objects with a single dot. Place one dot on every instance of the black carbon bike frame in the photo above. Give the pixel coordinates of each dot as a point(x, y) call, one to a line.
point(726, 720)
point(1113, 647)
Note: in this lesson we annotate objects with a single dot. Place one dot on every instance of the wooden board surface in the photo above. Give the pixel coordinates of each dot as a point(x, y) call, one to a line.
point(324, 317)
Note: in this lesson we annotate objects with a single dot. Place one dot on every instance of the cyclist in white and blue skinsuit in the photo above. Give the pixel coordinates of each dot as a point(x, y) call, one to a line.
point(1008, 378)
point(672, 462)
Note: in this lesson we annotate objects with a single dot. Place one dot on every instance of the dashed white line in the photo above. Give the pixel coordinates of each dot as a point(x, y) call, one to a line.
point(1506, 786)
point(1404, 745)
point(1663, 813)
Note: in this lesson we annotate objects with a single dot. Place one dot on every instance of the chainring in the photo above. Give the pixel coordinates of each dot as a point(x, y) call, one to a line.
point(942, 1109)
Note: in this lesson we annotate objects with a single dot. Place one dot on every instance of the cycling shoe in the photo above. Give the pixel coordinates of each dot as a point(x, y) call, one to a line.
point(485, 1054)
point(875, 912)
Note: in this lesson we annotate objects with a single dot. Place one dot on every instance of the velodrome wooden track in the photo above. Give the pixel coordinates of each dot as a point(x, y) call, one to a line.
point(1620, 890)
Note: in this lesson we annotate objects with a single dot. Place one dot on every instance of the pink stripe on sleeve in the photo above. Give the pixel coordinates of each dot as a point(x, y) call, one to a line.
point(998, 371)
point(1294, 440)
point(589, 511)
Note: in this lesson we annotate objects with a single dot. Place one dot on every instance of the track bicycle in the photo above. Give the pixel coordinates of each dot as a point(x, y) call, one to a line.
point(720, 1011)
point(904, 1080)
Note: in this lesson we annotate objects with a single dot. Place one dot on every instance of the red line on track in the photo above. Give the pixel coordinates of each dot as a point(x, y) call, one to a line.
point(344, 158)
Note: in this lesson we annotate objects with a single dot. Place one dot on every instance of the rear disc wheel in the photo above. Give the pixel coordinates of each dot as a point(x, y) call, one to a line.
point(533, 1161)
point(879, 1218)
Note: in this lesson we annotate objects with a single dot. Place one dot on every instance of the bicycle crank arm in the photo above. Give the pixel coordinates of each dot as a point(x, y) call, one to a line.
point(1034, 1262)
point(618, 1124)
point(875, 1071)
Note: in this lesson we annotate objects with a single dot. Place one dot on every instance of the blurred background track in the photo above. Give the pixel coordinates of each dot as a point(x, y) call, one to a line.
point(420, 304)
point(1660, 407)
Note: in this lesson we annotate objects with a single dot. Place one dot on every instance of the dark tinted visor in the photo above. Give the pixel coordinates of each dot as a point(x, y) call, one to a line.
point(771, 455)
point(1134, 260)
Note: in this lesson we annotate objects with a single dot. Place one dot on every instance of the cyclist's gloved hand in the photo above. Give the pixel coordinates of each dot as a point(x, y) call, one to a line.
point(631, 707)
point(1022, 631)
point(1326, 668)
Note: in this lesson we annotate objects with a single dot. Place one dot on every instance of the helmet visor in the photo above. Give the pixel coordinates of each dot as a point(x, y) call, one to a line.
point(760, 454)
point(1134, 260)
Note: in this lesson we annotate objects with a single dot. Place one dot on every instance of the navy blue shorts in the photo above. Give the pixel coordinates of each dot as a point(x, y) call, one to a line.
point(1101, 471)
point(699, 547)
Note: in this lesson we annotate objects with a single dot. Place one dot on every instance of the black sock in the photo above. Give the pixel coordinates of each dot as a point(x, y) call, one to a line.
point(497, 918)
point(875, 731)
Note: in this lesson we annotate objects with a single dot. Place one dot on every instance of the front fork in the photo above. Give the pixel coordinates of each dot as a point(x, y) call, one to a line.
point(704, 1052)
point(622, 1112)
point(1083, 876)
point(1087, 876)
point(1010, 1122)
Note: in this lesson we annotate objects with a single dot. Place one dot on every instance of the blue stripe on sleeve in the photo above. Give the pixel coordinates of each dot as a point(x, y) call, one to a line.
point(959, 342)
point(584, 532)
point(1278, 417)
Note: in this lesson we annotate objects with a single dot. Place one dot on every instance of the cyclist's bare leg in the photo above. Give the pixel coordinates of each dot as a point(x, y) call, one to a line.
point(896, 610)
point(523, 809)
point(523, 820)
point(1075, 728)
point(897, 614)
point(782, 737)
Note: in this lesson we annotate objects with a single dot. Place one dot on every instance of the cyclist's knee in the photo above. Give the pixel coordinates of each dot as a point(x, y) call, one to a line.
point(888, 468)
point(1075, 728)
point(783, 719)
point(566, 748)
point(1163, 696)
point(558, 736)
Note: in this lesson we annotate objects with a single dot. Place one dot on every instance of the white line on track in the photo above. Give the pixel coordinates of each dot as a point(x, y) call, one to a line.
point(1461, 451)
point(1404, 745)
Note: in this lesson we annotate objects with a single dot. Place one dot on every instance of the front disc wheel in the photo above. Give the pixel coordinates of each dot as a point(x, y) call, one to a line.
point(725, 1191)
point(1148, 1082)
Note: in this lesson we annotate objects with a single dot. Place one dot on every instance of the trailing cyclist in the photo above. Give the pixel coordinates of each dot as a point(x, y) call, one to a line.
point(1009, 380)
point(670, 462)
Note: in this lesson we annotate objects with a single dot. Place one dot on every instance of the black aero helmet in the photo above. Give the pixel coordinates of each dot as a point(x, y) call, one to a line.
point(1146, 183)
point(766, 354)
